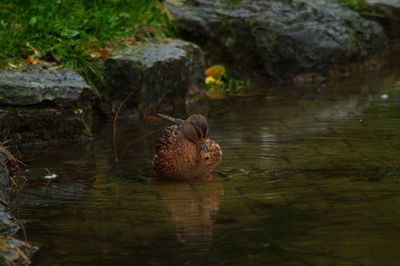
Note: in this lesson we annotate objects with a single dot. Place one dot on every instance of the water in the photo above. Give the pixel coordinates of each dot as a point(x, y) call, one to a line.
point(309, 176)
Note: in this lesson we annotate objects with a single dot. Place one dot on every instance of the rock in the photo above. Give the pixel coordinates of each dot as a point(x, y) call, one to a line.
point(155, 73)
point(12, 251)
point(44, 105)
point(280, 39)
point(387, 13)
point(4, 180)
point(15, 252)
point(59, 88)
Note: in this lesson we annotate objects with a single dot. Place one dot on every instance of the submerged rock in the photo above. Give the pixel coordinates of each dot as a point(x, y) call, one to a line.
point(44, 105)
point(155, 74)
point(281, 39)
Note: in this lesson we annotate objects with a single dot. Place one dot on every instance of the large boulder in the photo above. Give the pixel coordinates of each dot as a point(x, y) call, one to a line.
point(154, 74)
point(280, 39)
point(44, 105)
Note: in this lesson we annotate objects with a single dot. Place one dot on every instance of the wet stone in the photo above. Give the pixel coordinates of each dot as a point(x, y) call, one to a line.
point(62, 88)
point(157, 74)
point(44, 105)
point(387, 13)
point(12, 251)
point(279, 39)
point(4, 180)
point(15, 252)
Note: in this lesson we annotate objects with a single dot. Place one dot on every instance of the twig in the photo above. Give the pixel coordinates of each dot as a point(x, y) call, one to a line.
point(24, 231)
point(23, 255)
point(140, 138)
point(8, 154)
point(115, 125)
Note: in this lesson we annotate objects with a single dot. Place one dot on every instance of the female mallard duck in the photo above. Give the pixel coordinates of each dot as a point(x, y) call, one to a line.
point(184, 150)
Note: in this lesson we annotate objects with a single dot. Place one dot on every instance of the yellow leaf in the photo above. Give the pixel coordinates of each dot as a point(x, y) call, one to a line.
point(215, 71)
point(210, 80)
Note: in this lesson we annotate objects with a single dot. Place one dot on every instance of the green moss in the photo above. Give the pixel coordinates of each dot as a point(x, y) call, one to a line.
point(355, 5)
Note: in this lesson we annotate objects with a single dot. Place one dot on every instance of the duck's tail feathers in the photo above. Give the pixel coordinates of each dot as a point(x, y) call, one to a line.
point(170, 118)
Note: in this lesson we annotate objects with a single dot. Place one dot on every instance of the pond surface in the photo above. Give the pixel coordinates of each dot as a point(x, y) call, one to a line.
point(309, 176)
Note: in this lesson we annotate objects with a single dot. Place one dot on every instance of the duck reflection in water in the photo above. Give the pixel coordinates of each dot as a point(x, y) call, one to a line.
point(185, 156)
point(184, 151)
point(190, 206)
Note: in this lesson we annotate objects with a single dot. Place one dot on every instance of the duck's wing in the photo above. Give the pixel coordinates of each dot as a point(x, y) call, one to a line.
point(167, 139)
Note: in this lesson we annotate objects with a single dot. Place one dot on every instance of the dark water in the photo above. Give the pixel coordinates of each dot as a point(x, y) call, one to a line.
point(310, 176)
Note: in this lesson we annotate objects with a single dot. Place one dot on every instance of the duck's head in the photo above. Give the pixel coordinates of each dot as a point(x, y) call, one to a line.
point(195, 129)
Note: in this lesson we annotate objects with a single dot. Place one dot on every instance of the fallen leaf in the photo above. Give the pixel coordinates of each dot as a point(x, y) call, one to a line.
point(148, 29)
point(94, 47)
point(104, 53)
point(54, 68)
point(32, 60)
point(129, 41)
point(92, 56)
point(215, 71)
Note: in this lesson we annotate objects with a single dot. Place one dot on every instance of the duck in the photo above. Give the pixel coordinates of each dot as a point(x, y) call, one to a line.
point(184, 151)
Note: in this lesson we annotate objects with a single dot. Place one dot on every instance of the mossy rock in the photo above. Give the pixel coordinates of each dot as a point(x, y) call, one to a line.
point(279, 39)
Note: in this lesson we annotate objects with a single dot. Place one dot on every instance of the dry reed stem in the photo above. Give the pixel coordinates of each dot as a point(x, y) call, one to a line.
point(9, 156)
point(23, 255)
point(115, 125)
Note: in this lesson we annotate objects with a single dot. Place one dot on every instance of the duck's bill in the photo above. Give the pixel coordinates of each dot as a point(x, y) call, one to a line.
point(203, 148)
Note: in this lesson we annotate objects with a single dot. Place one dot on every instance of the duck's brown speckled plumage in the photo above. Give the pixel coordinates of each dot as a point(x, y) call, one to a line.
point(178, 154)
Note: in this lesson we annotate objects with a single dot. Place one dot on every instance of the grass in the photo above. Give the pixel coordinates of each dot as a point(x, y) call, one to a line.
point(73, 33)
